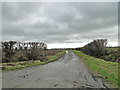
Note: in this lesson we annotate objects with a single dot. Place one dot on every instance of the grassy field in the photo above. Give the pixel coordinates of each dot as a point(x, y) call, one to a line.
point(112, 54)
point(108, 70)
point(113, 48)
point(23, 64)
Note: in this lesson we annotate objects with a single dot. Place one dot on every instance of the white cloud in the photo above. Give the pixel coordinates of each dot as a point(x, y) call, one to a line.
point(66, 45)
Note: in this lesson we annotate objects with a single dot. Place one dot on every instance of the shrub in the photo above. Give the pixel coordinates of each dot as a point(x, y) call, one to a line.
point(5, 60)
point(23, 58)
point(95, 48)
point(7, 47)
point(43, 59)
point(14, 59)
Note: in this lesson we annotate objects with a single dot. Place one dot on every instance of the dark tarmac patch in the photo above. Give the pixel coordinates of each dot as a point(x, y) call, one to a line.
point(24, 75)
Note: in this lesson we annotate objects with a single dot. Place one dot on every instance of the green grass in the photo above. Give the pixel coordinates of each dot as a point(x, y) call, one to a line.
point(113, 48)
point(34, 63)
point(108, 70)
point(55, 57)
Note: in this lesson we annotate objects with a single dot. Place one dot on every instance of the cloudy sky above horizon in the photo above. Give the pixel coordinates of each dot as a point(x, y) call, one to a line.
point(60, 24)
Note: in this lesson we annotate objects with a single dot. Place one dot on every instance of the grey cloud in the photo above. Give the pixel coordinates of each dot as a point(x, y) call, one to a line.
point(13, 12)
point(59, 22)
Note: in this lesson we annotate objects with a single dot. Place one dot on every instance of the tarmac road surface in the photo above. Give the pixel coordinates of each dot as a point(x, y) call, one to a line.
point(67, 72)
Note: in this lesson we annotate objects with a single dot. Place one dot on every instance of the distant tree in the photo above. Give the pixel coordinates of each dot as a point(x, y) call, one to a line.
point(7, 47)
point(95, 48)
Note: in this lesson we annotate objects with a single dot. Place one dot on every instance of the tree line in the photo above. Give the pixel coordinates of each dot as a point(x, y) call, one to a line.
point(28, 50)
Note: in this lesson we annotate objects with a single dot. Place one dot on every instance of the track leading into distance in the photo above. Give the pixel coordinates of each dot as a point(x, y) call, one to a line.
point(67, 72)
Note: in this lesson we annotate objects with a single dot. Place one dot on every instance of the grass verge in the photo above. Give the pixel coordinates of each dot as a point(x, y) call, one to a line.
point(108, 70)
point(17, 65)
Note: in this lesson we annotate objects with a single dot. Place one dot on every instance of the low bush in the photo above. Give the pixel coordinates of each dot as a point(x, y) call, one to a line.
point(14, 59)
point(5, 60)
point(23, 58)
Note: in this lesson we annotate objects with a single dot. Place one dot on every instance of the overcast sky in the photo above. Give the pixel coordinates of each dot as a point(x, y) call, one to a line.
point(60, 24)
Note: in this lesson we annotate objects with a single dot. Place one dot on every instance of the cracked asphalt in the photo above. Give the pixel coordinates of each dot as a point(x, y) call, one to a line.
point(67, 72)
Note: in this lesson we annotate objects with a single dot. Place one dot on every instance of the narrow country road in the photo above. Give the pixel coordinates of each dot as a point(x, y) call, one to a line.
point(67, 72)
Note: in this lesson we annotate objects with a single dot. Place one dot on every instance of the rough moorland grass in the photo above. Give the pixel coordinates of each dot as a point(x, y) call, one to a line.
point(108, 70)
point(34, 63)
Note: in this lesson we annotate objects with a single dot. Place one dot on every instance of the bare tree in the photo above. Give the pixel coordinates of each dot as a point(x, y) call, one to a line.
point(95, 48)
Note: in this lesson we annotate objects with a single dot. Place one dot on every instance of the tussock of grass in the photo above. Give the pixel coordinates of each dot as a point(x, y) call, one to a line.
point(109, 70)
point(34, 63)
